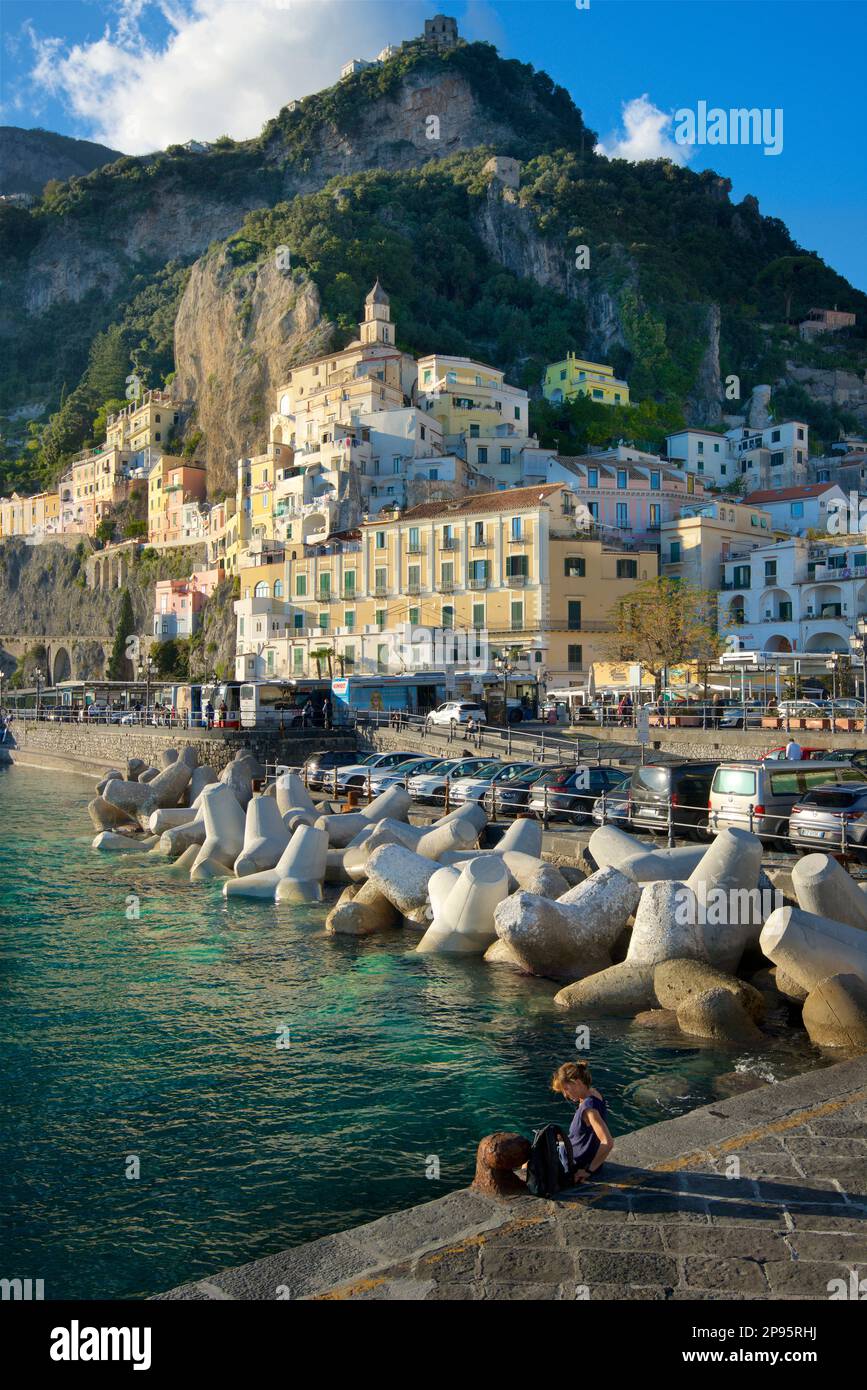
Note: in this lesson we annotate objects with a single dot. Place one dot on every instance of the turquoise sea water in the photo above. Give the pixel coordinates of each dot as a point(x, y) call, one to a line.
point(157, 1038)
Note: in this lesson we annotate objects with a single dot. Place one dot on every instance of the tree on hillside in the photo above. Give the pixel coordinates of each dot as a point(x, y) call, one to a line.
point(119, 665)
point(664, 623)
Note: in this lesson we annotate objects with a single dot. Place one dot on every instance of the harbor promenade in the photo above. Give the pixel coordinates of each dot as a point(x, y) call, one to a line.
point(762, 1196)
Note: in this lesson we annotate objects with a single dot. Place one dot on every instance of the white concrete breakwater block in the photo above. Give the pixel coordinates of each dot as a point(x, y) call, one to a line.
point(168, 788)
point(728, 903)
point(463, 908)
point(572, 936)
point(202, 776)
point(403, 878)
point(361, 912)
point(610, 847)
point(665, 925)
point(225, 824)
point(524, 836)
point(809, 949)
point(109, 839)
point(291, 795)
point(149, 774)
point(129, 796)
point(106, 816)
point(175, 842)
point(170, 816)
point(341, 829)
point(826, 889)
point(265, 837)
point(302, 867)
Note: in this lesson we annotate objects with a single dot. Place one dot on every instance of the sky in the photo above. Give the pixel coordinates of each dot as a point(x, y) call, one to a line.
point(141, 74)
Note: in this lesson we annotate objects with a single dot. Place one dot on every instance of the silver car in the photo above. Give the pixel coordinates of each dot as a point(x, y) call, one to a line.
point(831, 818)
point(396, 776)
point(478, 788)
point(431, 786)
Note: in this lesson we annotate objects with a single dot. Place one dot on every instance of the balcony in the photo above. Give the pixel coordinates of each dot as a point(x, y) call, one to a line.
point(482, 544)
point(413, 589)
point(520, 540)
point(415, 548)
point(380, 590)
point(446, 586)
point(450, 543)
point(516, 581)
point(327, 597)
point(479, 583)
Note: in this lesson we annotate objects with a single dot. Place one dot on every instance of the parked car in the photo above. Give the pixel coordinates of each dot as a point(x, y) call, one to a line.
point(846, 709)
point(456, 712)
point(808, 754)
point(570, 793)
point(430, 786)
point(515, 796)
point(759, 796)
point(798, 709)
point(354, 775)
point(682, 786)
point(856, 756)
point(397, 774)
point(818, 819)
point(478, 787)
point(319, 768)
point(616, 808)
point(742, 716)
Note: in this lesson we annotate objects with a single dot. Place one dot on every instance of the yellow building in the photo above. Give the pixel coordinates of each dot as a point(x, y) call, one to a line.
point(576, 377)
point(694, 544)
point(144, 424)
point(482, 417)
point(506, 569)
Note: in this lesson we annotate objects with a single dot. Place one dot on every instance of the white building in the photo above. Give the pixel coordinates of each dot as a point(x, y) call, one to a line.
point(794, 596)
point(800, 509)
point(775, 456)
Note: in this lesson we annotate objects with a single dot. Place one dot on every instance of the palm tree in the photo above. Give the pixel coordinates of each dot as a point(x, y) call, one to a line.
point(323, 654)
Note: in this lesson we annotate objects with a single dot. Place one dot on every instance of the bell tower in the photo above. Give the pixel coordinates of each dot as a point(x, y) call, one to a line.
point(377, 330)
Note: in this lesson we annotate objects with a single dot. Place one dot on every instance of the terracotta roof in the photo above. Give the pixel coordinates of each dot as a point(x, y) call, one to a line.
point(787, 494)
point(510, 499)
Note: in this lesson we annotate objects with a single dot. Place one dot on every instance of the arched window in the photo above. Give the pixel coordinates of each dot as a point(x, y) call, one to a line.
point(262, 590)
point(278, 588)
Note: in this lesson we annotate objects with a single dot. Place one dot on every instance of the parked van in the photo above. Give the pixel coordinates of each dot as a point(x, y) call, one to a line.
point(769, 790)
point(684, 787)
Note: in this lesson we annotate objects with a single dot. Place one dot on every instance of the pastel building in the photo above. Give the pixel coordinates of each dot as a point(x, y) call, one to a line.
point(694, 543)
point(575, 376)
point(801, 509)
point(511, 564)
point(623, 496)
point(178, 605)
point(796, 595)
point(774, 456)
point(172, 483)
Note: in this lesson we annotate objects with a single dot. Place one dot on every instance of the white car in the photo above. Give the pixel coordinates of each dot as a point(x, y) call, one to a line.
point(356, 774)
point(431, 786)
point(456, 712)
point(478, 787)
point(396, 776)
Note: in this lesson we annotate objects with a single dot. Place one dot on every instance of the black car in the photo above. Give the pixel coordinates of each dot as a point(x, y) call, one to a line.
point(318, 769)
point(569, 792)
point(856, 756)
point(685, 787)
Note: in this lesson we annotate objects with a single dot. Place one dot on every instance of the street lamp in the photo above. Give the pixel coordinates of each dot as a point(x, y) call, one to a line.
point(39, 677)
point(146, 669)
point(505, 664)
point(858, 645)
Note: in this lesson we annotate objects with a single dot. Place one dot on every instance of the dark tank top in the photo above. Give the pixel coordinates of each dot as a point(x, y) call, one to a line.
point(583, 1137)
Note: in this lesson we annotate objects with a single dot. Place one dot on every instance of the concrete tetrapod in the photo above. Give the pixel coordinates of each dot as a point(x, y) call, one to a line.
point(395, 802)
point(835, 1013)
point(665, 925)
point(175, 842)
point(203, 776)
point(291, 794)
point(728, 902)
point(403, 878)
point(620, 991)
point(129, 796)
point(571, 937)
point(238, 777)
point(610, 847)
point(265, 837)
point(463, 918)
point(105, 816)
point(168, 756)
point(361, 912)
point(825, 888)
point(112, 774)
point(524, 836)
point(149, 774)
point(169, 817)
point(135, 766)
point(168, 788)
point(809, 949)
point(109, 839)
point(225, 823)
point(302, 867)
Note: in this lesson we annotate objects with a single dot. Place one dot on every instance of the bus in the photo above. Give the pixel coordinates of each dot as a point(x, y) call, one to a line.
point(280, 704)
point(414, 694)
point(220, 693)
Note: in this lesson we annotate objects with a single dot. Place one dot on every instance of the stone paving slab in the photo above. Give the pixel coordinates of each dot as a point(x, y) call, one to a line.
point(762, 1196)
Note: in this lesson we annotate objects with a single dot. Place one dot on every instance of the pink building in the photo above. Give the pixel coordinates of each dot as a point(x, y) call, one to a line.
point(626, 492)
point(178, 605)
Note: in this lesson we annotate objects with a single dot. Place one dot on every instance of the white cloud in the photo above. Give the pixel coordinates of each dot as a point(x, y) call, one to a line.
point(645, 135)
point(224, 67)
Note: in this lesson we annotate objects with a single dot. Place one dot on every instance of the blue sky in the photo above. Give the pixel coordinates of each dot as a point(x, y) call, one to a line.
point(139, 74)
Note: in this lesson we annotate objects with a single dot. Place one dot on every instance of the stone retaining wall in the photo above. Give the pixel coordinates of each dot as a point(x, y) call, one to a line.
point(110, 746)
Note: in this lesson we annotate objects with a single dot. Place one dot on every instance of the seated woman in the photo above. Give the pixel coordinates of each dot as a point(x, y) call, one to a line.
point(589, 1134)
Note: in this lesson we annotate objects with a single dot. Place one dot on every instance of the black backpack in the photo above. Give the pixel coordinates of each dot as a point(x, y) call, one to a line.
point(546, 1175)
